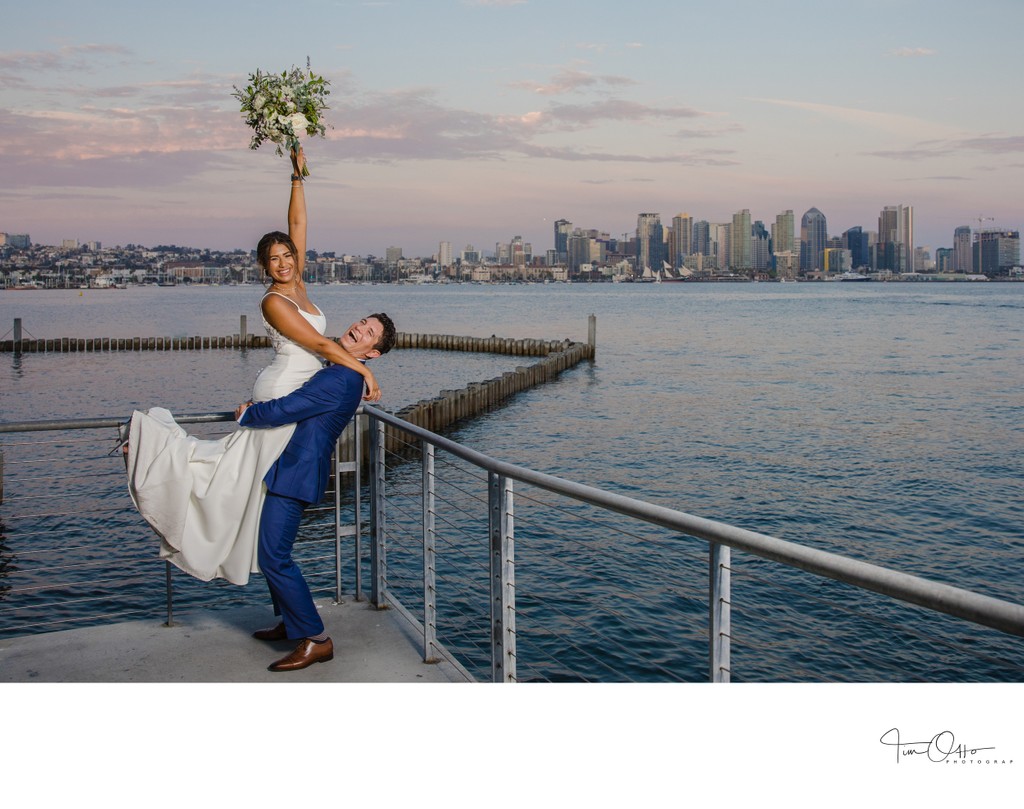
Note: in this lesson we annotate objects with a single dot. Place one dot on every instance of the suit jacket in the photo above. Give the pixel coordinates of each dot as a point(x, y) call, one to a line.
point(320, 410)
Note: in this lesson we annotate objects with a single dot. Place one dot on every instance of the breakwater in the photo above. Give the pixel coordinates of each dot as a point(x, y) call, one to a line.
point(434, 414)
point(243, 339)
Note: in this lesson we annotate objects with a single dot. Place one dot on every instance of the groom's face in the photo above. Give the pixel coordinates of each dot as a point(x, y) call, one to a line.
point(361, 337)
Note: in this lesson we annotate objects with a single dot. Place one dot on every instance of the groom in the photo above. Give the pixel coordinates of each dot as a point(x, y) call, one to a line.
point(320, 410)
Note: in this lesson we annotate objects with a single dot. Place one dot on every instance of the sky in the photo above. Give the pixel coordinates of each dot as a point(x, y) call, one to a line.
point(474, 121)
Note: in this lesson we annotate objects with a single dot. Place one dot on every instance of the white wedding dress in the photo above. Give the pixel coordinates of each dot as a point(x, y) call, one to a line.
point(203, 497)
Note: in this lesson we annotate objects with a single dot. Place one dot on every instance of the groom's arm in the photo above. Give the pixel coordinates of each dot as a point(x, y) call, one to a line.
point(321, 394)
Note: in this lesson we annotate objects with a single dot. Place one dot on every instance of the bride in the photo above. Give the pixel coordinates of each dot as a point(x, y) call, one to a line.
point(204, 497)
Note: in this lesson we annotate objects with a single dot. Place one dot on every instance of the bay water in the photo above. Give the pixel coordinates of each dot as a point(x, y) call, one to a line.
point(880, 421)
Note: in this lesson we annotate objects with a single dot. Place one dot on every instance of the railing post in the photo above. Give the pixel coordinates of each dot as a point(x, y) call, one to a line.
point(503, 578)
point(720, 604)
point(360, 421)
point(378, 558)
point(337, 520)
point(429, 553)
point(170, 594)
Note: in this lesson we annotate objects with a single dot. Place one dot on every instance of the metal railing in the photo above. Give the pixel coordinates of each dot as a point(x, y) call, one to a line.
point(444, 522)
point(390, 433)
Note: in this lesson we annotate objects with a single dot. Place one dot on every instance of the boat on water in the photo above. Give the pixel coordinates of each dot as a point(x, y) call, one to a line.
point(852, 276)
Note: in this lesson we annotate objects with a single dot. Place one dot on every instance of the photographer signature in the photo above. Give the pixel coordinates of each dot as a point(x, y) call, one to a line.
point(940, 747)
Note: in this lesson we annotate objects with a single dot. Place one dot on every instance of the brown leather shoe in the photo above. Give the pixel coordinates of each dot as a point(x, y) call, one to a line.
point(273, 633)
point(306, 653)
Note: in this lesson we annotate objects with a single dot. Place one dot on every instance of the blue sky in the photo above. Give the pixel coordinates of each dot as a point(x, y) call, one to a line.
point(472, 122)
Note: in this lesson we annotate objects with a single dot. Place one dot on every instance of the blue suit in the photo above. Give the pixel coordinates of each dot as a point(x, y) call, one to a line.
point(320, 409)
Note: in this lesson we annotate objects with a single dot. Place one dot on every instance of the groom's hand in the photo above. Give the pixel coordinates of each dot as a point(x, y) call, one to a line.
point(241, 409)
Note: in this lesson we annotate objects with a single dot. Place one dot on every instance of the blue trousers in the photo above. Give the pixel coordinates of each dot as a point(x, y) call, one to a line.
point(279, 525)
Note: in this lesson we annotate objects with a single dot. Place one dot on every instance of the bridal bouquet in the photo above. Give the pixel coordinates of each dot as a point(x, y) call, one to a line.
point(282, 108)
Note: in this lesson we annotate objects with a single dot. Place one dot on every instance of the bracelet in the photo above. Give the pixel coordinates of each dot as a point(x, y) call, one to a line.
point(296, 177)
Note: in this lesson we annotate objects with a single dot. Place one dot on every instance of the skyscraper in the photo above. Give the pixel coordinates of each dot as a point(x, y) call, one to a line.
point(444, 255)
point(996, 251)
point(856, 241)
point(783, 233)
point(740, 259)
point(813, 235)
point(701, 238)
point(563, 229)
point(962, 250)
point(895, 246)
point(682, 238)
point(760, 247)
point(650, 242)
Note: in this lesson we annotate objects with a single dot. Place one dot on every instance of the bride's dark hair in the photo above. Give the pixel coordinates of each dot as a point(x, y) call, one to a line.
point(268, 241)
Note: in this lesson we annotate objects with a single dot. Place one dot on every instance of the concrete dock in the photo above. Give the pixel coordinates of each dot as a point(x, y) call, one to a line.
point(207, 646)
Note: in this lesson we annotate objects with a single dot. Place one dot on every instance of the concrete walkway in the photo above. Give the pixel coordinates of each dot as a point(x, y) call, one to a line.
point(370, 646)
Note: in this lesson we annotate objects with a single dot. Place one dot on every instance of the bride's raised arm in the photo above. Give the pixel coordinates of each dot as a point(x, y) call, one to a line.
point(297, 211)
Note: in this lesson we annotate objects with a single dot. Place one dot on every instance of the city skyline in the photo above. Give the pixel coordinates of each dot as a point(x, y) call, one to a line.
point(472, 121)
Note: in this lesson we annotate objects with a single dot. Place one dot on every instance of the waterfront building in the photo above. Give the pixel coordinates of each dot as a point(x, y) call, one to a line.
point(444, 255)
point(837, 260)
point(682, 239)
point(650, 242)
point(944, 260)
point(718, 245)
point(740, 259)
point(393, 255)
point(856, 241)
point(760, 247)
point(962, 259)
point(813, 235)
point(701, 242)
point(894, 249)
point(563, 229)
point(581, 249)
point(996, 251)
point(784, 233)
point(787, 264)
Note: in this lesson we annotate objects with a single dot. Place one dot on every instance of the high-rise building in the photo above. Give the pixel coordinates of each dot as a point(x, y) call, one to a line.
point(856, 241)
point(563, 229)
point(996, 251)
point(517, 252)
point(783, 242)
point(701, 238)
point(962, 250)
point(650, 242)
point(813, 235)
point(682, 238)
point(894, 249)
point(719, 247)
point(444, 255)
point(760, 247)
point(740, 259)
point(783, 233)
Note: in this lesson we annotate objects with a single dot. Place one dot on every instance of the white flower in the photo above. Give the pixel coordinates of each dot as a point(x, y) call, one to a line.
point(299, 123)
point(258, 102)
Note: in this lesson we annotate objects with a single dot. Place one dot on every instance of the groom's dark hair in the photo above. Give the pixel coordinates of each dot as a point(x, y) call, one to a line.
point(387, 336)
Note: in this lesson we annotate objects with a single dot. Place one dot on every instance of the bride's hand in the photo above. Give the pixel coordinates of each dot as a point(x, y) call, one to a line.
point(373, 391)
point(298, 161)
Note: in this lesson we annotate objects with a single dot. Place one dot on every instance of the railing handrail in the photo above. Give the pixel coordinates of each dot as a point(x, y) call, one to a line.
point(89, 424)
point(975, 607)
